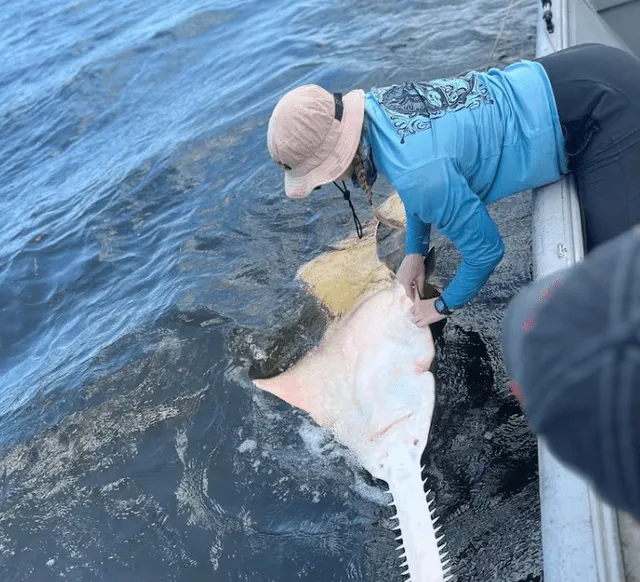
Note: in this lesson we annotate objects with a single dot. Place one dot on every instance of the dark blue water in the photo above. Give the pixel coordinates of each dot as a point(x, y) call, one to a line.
point(147, 267)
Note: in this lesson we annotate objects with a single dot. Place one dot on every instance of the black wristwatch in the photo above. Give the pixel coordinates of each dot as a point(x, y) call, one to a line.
point(441, 307)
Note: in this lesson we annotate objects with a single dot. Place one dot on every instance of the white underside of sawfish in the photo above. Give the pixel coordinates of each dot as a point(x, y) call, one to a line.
point(369, 383)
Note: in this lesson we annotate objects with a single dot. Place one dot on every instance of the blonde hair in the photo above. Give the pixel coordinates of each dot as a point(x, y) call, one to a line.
point(361, 176)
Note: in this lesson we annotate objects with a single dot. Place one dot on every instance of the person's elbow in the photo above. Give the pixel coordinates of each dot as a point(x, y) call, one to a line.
point(496, 252)
point(488, 256)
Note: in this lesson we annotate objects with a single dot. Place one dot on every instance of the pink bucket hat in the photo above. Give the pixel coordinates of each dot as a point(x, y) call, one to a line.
point(314, 135)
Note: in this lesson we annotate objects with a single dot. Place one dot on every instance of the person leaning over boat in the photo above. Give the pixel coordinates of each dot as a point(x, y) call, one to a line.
point(571, 346)
point(452, 146)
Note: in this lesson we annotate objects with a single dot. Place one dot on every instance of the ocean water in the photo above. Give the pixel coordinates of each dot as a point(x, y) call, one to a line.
point(147, 269)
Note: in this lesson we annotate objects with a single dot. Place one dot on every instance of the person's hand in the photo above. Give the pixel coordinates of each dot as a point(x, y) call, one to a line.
point(411, 274)
point(424, 311)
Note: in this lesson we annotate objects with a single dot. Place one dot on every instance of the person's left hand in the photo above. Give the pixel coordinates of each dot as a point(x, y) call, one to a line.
point(424, 312)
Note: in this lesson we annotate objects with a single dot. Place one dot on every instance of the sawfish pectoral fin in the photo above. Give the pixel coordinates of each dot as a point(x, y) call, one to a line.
point(287, 387)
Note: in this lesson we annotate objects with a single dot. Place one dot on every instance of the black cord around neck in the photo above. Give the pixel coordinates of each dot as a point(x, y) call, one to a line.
point(347, 196)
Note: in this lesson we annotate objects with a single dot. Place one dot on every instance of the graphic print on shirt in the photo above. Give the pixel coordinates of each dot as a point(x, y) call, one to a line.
point(412, 106)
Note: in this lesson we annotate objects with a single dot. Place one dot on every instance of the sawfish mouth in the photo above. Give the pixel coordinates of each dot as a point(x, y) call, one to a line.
point(379, 433)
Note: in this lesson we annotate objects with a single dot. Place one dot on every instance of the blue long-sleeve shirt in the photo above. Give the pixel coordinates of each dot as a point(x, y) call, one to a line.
point(452, 146)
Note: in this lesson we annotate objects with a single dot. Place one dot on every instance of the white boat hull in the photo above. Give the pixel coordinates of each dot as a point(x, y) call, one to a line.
point(581, 536)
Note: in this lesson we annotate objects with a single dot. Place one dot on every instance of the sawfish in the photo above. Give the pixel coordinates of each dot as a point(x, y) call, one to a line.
point(369, 383)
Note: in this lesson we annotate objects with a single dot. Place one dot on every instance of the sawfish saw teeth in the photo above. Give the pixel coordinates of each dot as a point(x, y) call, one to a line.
point(422, 556)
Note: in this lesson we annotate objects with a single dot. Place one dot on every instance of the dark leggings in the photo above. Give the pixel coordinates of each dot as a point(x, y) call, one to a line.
point(597, 91)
